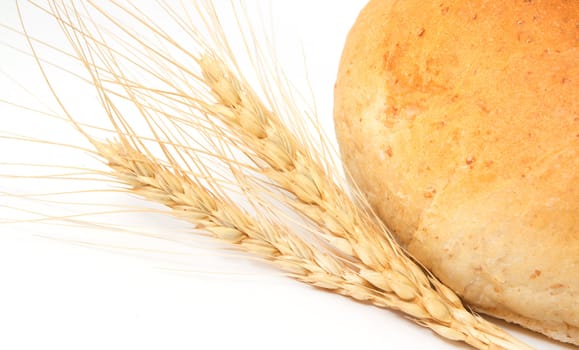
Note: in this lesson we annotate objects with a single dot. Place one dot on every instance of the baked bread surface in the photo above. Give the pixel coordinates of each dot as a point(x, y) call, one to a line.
point(460, 122)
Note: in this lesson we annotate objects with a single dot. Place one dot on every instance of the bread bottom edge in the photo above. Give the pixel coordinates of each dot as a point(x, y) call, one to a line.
point(559, 331)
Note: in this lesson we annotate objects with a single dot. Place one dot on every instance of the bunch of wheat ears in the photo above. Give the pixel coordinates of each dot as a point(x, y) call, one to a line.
point(213, 137)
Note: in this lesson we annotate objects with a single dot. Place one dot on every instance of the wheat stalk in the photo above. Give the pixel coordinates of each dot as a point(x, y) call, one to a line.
point(379, 270)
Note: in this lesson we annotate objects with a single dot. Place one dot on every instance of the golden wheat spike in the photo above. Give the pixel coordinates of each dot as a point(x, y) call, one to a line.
point(221, 103)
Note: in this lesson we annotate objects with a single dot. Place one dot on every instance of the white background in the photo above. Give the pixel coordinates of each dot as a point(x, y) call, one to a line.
point(64, 287)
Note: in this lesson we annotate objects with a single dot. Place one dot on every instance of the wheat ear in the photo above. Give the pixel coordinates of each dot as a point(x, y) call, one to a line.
point(222, 219)
point(352, 230)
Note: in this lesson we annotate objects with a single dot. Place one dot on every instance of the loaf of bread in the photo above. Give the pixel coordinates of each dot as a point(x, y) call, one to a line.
point(460, 122)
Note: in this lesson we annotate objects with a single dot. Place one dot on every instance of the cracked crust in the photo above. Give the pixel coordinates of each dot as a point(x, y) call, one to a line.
point(460, 122)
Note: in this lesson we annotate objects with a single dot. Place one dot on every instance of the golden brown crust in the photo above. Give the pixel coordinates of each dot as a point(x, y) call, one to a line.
point(460, 121)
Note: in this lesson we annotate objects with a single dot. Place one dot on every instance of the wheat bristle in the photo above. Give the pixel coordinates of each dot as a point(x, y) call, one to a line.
point(359, 257)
